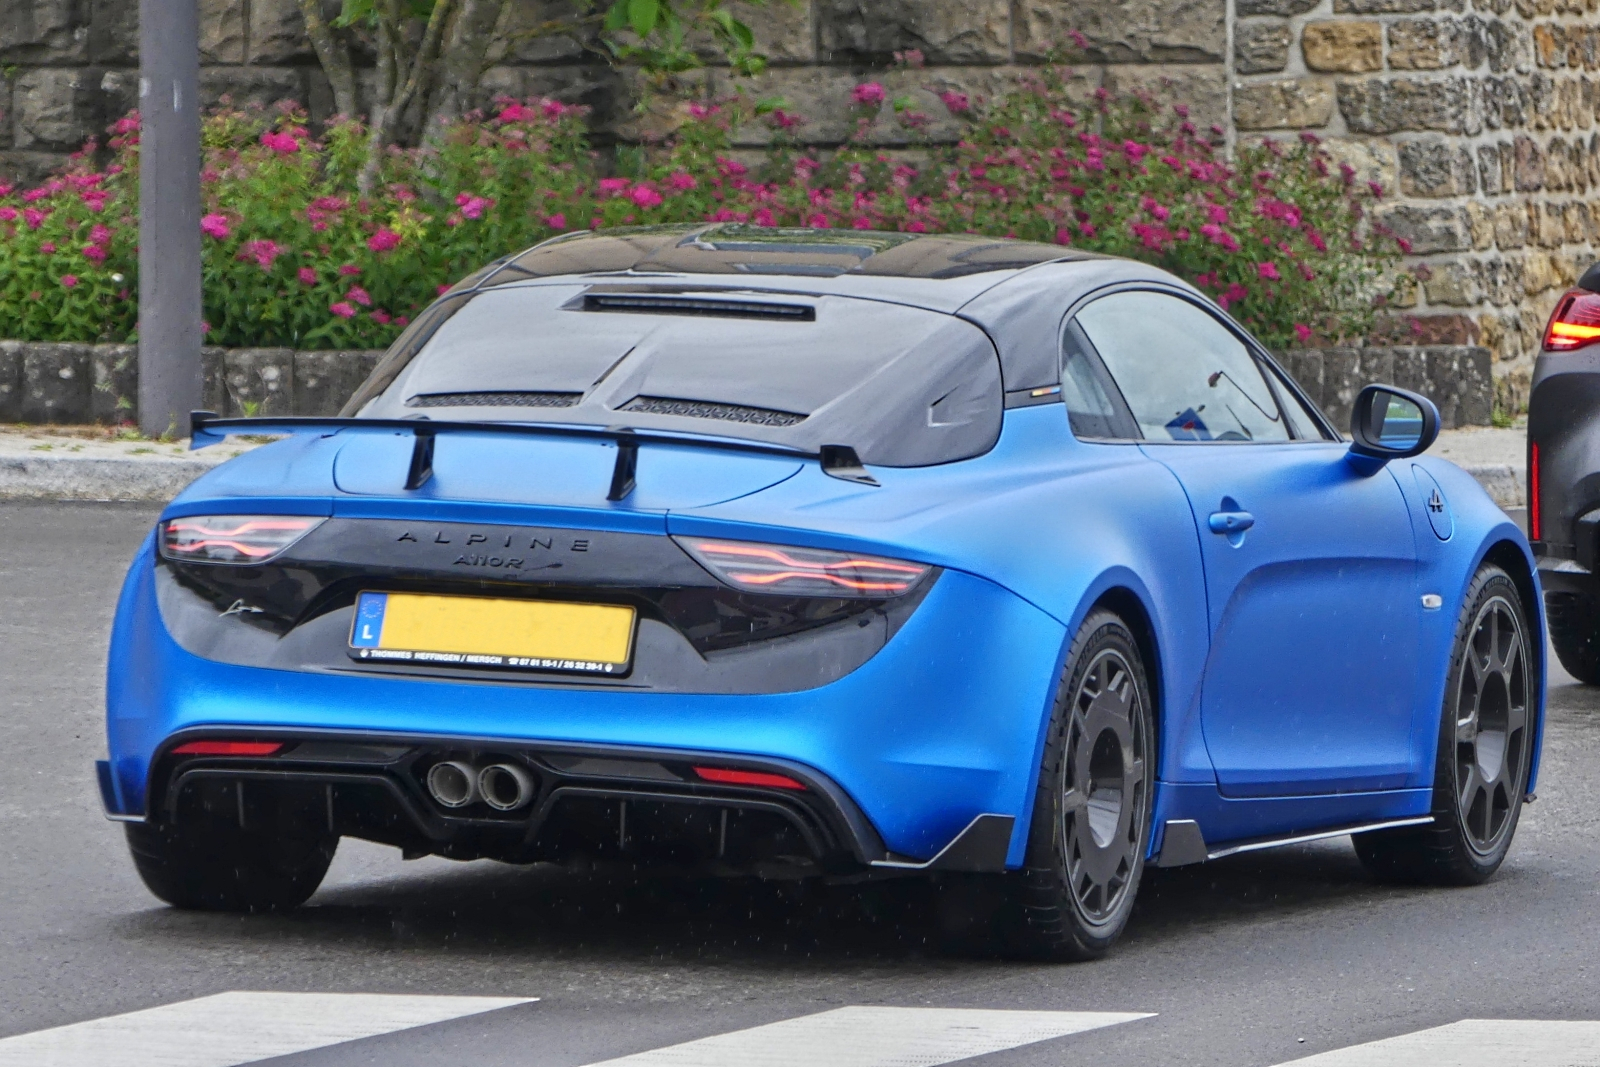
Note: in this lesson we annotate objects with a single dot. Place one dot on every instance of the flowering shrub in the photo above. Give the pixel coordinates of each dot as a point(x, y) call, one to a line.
point(293, 256)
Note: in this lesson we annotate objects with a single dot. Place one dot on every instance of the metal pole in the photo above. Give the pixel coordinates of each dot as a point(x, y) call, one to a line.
point(170, 378)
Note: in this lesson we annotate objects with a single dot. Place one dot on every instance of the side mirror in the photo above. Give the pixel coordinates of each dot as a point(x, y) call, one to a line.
point(1390, 423)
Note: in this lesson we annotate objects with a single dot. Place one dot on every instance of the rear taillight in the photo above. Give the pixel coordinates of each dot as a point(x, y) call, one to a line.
point(238, 539)
point(1575, 323)
point(729, 776)
point(1535, 527)
point(786, 570)
point(228, 748)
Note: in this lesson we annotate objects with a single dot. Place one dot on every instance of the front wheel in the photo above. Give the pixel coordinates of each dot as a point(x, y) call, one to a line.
point(1091, 815)
point(1485, 746)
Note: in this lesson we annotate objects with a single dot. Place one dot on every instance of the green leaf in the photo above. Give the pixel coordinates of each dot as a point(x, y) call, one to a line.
point(642, 16)
point(617, 17)
point(354, 11)
point(767, 105)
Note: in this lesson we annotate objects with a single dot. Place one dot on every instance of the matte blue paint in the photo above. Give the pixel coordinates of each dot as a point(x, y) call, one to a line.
point(1307, 673)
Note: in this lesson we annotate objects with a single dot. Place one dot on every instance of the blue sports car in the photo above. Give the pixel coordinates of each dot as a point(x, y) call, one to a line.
point(838, 554)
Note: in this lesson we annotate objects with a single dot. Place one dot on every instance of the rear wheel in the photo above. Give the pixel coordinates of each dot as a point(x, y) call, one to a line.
point(1575, 633)
point(1485, 740)
point(1091, 816)
point(215, 866)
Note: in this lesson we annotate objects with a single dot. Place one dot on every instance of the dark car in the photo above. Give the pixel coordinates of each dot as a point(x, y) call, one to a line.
point(1564, 475)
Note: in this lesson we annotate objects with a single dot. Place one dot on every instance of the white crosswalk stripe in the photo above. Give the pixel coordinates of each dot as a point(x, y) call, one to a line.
point(1475, 1043)
point(234, 1028)
point(875, 1037)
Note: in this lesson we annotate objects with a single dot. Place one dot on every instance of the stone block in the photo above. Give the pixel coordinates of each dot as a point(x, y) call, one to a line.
point(1455, 284)
point(114, 384)
point(277, 32)
point(1350, 47)
point(1382, 7)
point(251, 85)
point(29, 168)
point(523, 19)
point(56, 383)
point(1528, 160)
point(1460, 382)
point(1203, 89)
point(1374, 161)
point(114, 32)
point(1480, 224)
point(119, 93)
point(1344, 374)
point(820, 96)
point(1260, 47)
point(1549, 45)
point(323, 381)
point(1436, 169)
point(944, 31)
point(1281, 8)
point(1510, 226)
point(1501, 281)
point(1505, 103)
point(260, 381)
point(1291, 103)
point(11, 381)
point(1305, 367)
point(1492, 178)
point(1124, 31)
point(214, 386)
point(1509, 46)
point(51, 109)
point(1578, 217)
point(222, 30)
point(43, 31)
point(1391, 105)
point(1425, 44)
point(1429, 229)
point(784, 32)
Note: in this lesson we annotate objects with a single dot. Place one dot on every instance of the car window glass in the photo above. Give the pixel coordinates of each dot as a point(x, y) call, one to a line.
point(1090, 409)
point(1301, 421)
point(1185, 375)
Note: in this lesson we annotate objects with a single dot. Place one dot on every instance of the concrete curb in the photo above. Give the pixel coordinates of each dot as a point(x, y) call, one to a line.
point(157, 479)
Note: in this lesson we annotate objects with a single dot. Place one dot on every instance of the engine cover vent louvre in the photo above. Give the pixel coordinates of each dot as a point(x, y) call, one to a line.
point(702, 409)
point(494, 400)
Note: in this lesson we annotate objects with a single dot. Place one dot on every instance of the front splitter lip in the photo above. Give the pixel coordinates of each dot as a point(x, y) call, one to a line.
point(848, 822)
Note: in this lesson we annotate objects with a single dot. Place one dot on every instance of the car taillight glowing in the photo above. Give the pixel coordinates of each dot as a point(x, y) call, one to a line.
point(785, 570)
point(228, 748)
point(1575, 323)
point(238, 539)
point(729, 776)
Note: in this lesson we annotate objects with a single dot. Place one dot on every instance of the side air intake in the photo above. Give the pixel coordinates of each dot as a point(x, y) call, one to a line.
point(494, 400)
point(700, 409)
point(659, 304)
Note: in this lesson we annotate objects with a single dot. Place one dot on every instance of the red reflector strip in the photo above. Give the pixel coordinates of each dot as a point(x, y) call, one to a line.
point(727, 776)
point(227, 748)
point(1535, 526)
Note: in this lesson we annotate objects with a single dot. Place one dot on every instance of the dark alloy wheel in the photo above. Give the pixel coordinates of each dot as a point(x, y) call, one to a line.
point(1485, 739)
point(1091, 819)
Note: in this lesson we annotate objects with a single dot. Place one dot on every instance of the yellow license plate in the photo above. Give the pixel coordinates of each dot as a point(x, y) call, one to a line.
point(544, 635)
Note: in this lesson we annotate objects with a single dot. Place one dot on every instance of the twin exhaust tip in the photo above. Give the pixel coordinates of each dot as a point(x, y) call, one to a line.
point(458, 784)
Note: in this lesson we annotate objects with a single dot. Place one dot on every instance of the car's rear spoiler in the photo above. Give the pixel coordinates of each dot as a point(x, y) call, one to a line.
point(209, 428)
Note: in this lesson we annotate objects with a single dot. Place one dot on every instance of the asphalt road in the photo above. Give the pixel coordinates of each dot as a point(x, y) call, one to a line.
point(1255, 960)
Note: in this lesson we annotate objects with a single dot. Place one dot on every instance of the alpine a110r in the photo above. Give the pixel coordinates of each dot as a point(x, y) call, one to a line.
point(800, 553)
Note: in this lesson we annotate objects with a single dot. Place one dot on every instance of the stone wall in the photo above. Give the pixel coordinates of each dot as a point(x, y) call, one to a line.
point(1478, 117)
point(76, 384)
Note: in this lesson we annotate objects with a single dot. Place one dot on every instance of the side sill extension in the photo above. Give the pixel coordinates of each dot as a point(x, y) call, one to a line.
point(981, 847)
point(1184, 844)
point(108, 794)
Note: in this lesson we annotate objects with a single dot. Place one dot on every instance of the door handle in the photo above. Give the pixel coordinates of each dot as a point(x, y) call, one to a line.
point(1231, 522)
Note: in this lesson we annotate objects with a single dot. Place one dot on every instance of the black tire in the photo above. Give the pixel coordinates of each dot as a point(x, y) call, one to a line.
point(1091, 815)
point(1485, 740)
point(216, 866)
point(1575, 633)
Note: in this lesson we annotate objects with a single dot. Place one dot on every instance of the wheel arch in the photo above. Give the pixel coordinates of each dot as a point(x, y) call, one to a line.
point(1513, 559)
point(1131, 609)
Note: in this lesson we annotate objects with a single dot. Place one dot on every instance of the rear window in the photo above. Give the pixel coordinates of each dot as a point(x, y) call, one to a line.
point(902, 386)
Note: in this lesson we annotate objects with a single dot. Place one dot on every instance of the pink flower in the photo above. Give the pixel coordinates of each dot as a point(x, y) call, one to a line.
point(818, 222)
point(343, 310)
point(681, 180)
point(553, 109)
point(349, 270)
point(472, 206)
point(34, 217)
point(869, 94)
point(100, 234)
point(443, 289)
point(281, 143)
point(955, 103)
point(613, 186)
point(34, 194)
point(48, 248)
point(263, 252)
point(1078, 38)
point(644, 196)
point(205, 327)
point(1302, 332)
point(514, 113)
point(94, 253)
point(1405, 245)
point(215, 226)
point(379, 316)
point(1267, 272)
point(698, 110)
point(69, 281)
point(8, 214)
point(1217, 213)
point(307, 276)
point(401, 321)
point(558, 221)
point(359, 296)
point(1376, 190)
point(385, 240)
